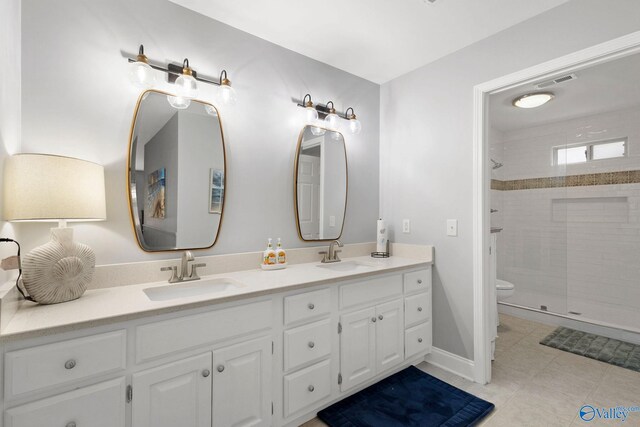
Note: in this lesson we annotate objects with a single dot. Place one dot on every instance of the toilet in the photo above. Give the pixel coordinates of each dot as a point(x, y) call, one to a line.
point(504, 289)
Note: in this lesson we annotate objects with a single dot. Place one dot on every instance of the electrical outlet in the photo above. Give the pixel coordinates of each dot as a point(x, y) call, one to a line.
point(452, 227)
point(406, 226)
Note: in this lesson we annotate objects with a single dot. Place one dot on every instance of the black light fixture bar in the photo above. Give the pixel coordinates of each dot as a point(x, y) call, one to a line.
point(175, 70)
point(323, 110)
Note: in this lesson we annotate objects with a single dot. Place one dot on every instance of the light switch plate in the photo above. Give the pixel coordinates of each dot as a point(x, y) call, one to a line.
point(452, 227)
point(406, 226)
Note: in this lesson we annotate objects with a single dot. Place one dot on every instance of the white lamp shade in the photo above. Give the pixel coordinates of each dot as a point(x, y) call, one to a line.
point(42, 187)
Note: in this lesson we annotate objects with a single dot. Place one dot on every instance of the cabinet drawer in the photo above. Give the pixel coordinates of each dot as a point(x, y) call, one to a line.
point(306, 387)
point(417, 340)
point(50, 365)
point(417, 281)
point(417, 308)
point(306, 343)
point(370, 290)
point(307, 306)
point(100, 405)
point(183, 333)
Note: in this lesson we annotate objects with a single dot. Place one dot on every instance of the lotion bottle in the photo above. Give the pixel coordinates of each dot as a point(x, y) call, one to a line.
point(281, 255)
point(269, 255)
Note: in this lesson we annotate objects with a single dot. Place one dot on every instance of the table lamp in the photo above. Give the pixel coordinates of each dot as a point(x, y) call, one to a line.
point(48, 188)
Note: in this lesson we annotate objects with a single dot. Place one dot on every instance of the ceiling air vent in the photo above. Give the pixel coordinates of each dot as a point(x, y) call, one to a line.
point(556, 81)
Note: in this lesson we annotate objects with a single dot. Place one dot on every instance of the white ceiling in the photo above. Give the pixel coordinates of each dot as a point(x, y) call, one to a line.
point(378, 40)
point(611, 86)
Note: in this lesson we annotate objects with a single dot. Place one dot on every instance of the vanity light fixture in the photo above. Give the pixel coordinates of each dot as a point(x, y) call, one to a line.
point(183, 76)
point(226, 94)
point(141, 74)
point(325, 117)
point(310, 113)
point(186, 84)
point(533, 100)
point(331, 121)
point(354, 124)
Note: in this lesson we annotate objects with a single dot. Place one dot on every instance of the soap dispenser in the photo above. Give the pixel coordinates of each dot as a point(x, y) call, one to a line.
point(269, 255)
point(281, 255)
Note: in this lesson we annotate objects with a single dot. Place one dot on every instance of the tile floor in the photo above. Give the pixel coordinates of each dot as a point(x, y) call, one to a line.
point(538, 386)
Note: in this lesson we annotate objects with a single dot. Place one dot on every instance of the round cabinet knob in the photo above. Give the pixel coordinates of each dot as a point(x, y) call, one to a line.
point(419, 339)
point(373, 319)
point(206, 373)
point(380, 317)
point(419, 281)
point(71, 424)
point(311, 388)
point(70, 364)
point(220, 368)
point(419, 308)
point(311, 344)
point(311, 306)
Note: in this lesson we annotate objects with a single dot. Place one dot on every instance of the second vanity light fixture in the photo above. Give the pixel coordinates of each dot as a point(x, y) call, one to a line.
point(184, 77)
point(331, 117)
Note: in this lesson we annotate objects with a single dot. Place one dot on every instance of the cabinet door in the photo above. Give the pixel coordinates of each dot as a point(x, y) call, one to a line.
point(357, 347)
point(175, 394)
point(242, 384)
point(389, 335)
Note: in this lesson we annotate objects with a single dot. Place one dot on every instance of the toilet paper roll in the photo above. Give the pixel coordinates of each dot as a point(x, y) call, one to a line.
point(383, 236)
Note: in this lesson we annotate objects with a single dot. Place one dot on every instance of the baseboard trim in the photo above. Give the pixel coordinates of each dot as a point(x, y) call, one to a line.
point(451, 362)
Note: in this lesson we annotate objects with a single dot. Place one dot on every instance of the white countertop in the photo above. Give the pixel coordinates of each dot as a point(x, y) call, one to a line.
point(110, 305)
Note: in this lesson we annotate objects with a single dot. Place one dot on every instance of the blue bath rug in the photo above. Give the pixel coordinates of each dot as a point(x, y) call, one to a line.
point(408, 398)
point(608, 350)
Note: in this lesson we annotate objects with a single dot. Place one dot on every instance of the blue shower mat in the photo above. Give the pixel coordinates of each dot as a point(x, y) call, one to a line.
point(408, 398)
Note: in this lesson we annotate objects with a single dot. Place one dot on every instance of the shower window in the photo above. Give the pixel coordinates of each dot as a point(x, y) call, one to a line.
point(582, 153)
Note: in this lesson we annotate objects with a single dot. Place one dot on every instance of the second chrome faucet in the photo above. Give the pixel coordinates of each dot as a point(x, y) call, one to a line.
point(176, 277)
point(332, 255)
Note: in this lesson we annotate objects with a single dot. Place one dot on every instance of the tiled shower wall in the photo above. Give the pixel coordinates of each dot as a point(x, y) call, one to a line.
point(571, 248)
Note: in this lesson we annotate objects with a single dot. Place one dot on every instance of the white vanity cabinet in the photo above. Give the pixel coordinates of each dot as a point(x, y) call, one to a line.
point(175, 394)
point(371, 342)
point(270, 360)
point(242, 384)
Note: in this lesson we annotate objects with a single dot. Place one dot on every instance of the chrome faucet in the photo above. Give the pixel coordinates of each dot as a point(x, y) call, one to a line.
point(332, 255)
point(187, 257)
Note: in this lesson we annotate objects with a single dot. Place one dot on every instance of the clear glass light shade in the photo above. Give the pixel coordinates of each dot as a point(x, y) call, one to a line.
point(332, 121)
point(178, 102)
point(355, 126)
point(310, 115)
point(186, 86)
point(316, 130)
point(142, 75)
point(226, 95)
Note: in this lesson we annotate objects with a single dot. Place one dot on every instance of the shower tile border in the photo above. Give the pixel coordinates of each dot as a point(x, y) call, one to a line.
point(590, 179)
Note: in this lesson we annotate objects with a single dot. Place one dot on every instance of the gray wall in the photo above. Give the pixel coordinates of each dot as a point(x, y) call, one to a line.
point(87, 113)
point(200, 150)
point(162, 152)
point(426, 142)
point(9, 105)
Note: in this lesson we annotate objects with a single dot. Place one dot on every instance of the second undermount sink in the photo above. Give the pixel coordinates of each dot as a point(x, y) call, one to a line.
point(190, 289)
point(348, 266)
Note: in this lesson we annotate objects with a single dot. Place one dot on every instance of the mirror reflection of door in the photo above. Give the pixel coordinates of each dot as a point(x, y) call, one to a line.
point(321, 184)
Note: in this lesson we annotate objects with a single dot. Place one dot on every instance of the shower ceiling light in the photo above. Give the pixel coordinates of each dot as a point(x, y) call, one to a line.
point(533, 100)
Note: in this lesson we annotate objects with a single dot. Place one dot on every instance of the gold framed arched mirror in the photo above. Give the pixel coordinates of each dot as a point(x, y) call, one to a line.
point(320, 184)
point(176, 173)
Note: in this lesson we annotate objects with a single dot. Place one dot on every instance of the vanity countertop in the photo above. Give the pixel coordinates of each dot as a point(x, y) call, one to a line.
point(109, 305)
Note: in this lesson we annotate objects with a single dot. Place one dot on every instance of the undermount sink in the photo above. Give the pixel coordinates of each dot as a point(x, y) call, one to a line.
point(350, 266)
point(191, 289)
